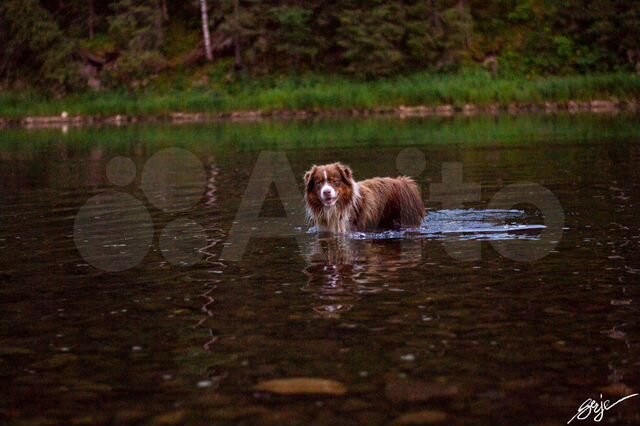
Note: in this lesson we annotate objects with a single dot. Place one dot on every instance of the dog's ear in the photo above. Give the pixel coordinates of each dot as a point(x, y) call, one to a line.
point(345, 172)
point(308, 178)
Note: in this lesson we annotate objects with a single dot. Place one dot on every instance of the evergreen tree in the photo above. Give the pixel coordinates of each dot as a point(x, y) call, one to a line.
point(370, 38)
point(291, 39)
point(137, 30)
point(32, 47)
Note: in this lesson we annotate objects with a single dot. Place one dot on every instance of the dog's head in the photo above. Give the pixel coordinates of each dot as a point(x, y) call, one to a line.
point(329, 185)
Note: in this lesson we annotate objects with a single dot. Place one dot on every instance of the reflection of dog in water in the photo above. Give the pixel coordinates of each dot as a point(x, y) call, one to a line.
point(337, 203)
point(341, 270)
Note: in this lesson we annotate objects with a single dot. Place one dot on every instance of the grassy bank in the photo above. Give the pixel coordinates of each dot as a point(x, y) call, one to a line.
point(330, 94)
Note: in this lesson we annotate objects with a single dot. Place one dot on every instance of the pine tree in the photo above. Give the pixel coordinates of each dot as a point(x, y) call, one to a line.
point(291, 38)
point(370, 38)
point(137, 30)
point(32, 47)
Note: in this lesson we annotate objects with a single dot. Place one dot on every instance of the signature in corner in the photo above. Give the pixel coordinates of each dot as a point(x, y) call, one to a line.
point(597, 408)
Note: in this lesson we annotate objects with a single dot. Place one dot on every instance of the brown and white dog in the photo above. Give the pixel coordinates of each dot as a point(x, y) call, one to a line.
point(337, 203)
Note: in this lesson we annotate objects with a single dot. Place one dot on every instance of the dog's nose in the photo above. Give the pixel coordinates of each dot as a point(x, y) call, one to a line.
point(326, 192)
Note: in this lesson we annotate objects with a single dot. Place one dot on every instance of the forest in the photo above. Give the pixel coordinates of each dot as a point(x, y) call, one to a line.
point(71, 45)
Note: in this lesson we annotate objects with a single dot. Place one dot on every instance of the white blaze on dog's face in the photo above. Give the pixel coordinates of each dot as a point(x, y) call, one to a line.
point(328, 194)
point(329, 185)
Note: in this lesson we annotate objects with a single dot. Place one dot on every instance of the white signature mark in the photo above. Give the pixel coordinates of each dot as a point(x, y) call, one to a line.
point(591, 406)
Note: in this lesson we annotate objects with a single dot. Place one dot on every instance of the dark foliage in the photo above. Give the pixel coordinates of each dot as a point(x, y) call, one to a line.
point(129, 42)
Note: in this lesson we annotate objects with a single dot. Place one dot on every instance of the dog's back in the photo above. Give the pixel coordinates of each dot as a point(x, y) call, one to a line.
point(389, 203)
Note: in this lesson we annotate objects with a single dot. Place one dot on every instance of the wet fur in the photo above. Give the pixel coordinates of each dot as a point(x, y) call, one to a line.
point(369, 205)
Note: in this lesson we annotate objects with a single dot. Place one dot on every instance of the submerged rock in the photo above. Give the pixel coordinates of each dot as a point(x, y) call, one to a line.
point(129, 416)
point(425, 417)
point(171, 418)
point(302, 386)
point(55, 362)
point(522, 384)
point(11, 351)
point(235, 412)
point(354, 404)
point(419, 391)
point(616, 389)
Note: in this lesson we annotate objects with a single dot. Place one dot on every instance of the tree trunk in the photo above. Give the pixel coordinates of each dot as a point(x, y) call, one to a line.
point(159, 25)
point(92, 15)
point(463, 6)
point(236, 35)
point(165, 11)
point(205, 30)
point(435, 18)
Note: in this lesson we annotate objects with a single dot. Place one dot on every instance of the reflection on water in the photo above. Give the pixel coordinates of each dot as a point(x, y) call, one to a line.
point(434, 319)
point(342, 268)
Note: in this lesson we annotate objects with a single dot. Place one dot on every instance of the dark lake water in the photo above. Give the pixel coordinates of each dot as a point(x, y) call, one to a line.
point(132, 290)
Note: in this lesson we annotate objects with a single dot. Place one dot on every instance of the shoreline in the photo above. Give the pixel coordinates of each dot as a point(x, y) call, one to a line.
point(596, 106)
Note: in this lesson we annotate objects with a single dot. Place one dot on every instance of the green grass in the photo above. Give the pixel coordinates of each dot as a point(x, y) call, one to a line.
point(329, 93)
